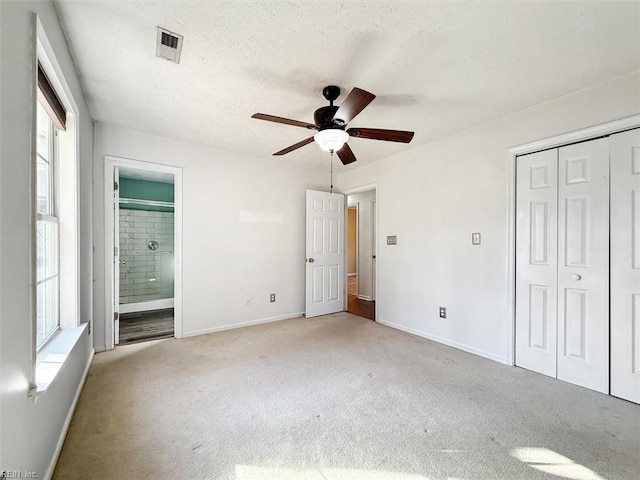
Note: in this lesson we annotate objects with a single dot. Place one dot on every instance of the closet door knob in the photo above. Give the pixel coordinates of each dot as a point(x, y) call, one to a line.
point(576, 277)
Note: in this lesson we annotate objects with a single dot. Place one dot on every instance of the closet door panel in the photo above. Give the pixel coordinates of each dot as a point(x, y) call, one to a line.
point(583, 264)
point(625, 265)
point(536, 261)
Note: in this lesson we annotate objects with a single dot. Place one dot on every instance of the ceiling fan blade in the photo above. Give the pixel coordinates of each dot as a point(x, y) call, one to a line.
point(401, 136)
point(346, 155)
point(286, 121)
point(295, 146)
point(355, 102)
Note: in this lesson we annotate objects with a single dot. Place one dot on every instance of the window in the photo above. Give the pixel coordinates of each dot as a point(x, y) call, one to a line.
point(47, 230)
point(51, 118)
point(55, 218)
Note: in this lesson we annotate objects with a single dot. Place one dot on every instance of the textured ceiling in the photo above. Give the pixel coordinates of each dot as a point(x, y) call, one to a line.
point(436, 67)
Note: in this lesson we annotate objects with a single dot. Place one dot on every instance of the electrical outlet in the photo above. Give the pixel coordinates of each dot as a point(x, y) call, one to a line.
point(443, 312)
point(272, 297)
point(247, 301)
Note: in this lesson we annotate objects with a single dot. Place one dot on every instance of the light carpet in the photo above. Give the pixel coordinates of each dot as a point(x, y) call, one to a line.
point(337, 398)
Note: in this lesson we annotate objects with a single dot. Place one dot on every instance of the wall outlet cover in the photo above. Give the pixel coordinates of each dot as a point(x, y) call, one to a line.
point(442, 312)
point(272, 297)
point(392, 239)
point(475, 239)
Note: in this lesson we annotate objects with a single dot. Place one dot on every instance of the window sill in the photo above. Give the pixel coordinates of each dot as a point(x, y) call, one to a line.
point(51, 359)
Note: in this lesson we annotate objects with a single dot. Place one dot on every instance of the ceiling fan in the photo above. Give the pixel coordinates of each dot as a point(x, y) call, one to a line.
point(331, 122)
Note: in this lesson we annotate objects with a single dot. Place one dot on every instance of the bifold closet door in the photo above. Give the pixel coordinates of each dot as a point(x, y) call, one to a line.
point(583, 264)
point(536, 261)
point(625, 265)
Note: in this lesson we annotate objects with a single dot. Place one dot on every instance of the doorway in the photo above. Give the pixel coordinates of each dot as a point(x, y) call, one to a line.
point(143, 218)
point(361, 253)
point(146, 252)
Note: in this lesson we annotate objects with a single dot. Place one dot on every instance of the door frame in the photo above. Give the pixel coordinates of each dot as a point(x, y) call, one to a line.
point(114, 236)
point(374, 246)
point(110, 162)
point(351, 191)
point(356, 207)
point(581, 135)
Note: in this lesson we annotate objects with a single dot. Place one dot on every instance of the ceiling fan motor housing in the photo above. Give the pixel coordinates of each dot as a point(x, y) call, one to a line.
point(323, 118)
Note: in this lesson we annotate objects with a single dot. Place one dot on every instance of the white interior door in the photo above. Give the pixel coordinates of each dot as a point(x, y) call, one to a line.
point(625, 265)
point(536, 261)
point(583, 264)
point(116, 256)
point(325, 253)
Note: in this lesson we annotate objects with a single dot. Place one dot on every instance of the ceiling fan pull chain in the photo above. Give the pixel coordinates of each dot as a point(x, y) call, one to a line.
point(331, 190)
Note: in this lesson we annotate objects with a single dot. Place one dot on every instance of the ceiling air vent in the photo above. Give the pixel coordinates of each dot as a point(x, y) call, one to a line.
point(168, 45)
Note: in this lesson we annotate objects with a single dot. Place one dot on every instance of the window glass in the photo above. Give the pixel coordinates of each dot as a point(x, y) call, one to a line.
point(44, 165)
point(47, 232)
point(43, 139)
point(48, 309)
point(47, 250)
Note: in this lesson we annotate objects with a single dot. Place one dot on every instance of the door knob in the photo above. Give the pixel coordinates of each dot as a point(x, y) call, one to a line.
point(576, 277)
point(311, 260)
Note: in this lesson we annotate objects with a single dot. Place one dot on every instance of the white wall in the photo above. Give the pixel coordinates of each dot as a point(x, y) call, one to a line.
point(225, 260)
point(29, 431)
point(435, 195)
point(365, 244)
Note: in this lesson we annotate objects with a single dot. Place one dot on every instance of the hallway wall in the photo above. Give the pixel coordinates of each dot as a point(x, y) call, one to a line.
point(352, 238)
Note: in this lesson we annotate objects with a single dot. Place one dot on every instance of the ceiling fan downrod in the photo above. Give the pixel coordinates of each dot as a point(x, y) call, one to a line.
point(331, 92)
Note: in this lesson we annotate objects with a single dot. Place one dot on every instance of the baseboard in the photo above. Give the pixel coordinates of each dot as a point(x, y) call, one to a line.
point(65, 427)
point(445, 341)
point(231, 326)
point(100, 349)
point(364, 297)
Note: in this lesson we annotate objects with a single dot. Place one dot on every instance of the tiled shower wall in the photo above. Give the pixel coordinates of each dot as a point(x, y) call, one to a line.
point(145, 274)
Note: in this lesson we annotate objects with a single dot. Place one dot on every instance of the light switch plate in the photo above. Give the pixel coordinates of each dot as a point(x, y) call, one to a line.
point(475, 239)
point(392, 240)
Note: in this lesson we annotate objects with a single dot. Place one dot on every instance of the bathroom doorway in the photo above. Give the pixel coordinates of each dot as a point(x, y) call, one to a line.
point(146, 244)
point(144, 219)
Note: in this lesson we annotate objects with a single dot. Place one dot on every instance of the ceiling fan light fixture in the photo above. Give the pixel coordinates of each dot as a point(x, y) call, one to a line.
point(331, 139)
